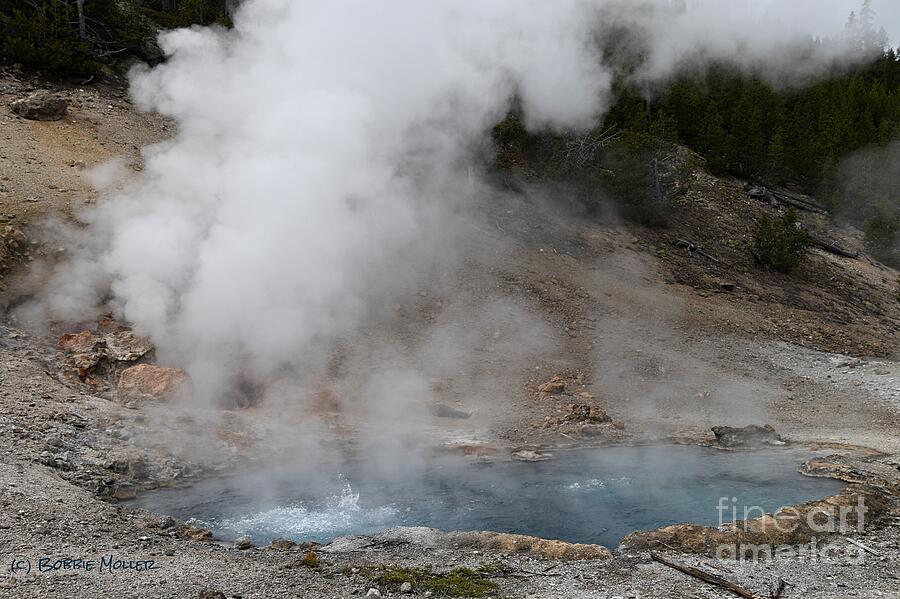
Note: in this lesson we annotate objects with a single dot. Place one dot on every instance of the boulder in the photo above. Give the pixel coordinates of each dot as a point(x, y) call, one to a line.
point(93, 357)
point(125, 346)
point(77, 343)
point(747, 436)
point(41, 106)
point(282, 544)
point(194, 533)
point(151, 382)
point(243, 542)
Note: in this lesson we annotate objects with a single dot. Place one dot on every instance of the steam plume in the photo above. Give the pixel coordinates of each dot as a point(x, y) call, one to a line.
point(323, 153)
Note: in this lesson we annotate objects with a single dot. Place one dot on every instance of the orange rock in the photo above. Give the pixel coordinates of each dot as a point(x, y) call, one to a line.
point(554, 386)
point(79, 343)
point(148, 381)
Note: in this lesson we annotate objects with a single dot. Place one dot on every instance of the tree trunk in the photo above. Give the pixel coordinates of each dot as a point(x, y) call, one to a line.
point(82, 26)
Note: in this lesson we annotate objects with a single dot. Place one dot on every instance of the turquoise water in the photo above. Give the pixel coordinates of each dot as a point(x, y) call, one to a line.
point(585, 496)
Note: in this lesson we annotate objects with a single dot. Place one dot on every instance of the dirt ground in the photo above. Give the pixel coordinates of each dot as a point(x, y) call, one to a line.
point(665, 341)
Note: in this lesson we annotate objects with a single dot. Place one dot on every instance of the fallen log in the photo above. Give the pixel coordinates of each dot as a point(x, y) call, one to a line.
point(833, 249)
point(798, 201)
point(693, 249)
point(706, 577)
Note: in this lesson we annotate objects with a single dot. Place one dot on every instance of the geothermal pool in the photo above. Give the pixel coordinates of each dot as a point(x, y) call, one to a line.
point(585, 496)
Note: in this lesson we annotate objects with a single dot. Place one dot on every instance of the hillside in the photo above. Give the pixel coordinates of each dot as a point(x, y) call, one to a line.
point(644, 333)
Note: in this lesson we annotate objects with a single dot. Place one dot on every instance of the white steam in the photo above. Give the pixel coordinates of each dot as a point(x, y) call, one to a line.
point(323, 153)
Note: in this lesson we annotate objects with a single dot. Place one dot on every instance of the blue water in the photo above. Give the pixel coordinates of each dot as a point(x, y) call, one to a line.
point(585, 496)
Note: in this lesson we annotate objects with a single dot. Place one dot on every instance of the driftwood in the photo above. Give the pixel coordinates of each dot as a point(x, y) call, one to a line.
point(796, 200)
point(693, 249)
point(706, 577)
point(865, 548)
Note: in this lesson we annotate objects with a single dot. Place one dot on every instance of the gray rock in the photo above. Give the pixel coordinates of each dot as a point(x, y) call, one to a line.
point(243, 542)
point(746, 437)
point(445, 411)
point(373, 593)
point(41, 106)
point(406, 587)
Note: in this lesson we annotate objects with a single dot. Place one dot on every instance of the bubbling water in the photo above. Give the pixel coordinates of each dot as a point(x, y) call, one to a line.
point(586, 496)
point(336, 514)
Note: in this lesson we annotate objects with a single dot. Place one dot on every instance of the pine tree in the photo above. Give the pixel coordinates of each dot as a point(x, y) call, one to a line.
point(776, 155)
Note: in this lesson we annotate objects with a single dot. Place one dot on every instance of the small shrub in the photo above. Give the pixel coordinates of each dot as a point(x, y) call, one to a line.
point(310, 559)
point(781, 243)
point(491, 569)
point(459, 582)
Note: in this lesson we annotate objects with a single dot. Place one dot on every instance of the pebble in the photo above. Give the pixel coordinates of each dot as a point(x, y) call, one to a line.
point(373, 593)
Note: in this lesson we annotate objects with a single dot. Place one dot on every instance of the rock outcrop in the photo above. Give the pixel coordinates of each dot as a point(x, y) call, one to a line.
point(95, 357)
point(430, 538)
point(153, 383)
point(855, 508)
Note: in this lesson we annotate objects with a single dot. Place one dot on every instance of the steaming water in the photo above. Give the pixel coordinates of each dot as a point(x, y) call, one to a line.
point(587, 496)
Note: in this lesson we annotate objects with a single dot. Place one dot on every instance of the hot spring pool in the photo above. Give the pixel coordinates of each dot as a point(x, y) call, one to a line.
point(584, 496)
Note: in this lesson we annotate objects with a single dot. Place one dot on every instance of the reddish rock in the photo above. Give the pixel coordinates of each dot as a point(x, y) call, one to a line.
point(194, 533)
point(148, 381)
point(554, 386)
point(77, 343)
point(93, 357)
